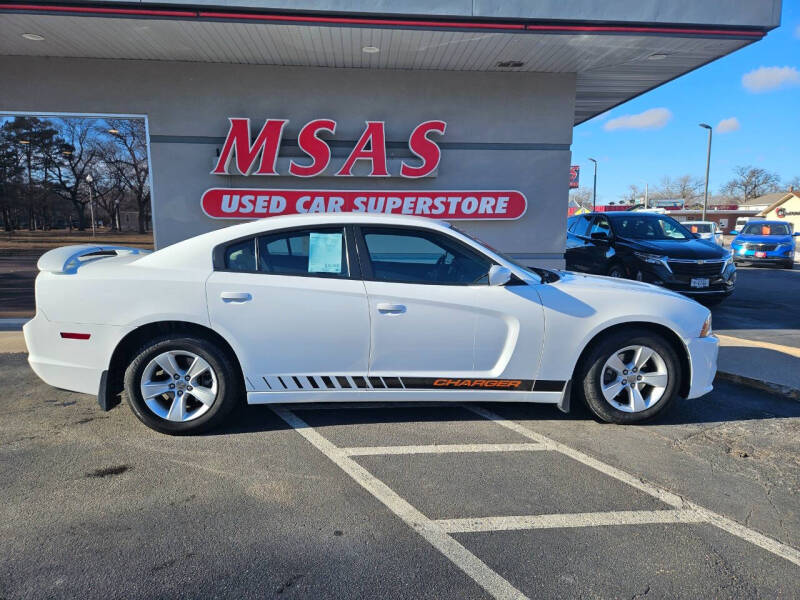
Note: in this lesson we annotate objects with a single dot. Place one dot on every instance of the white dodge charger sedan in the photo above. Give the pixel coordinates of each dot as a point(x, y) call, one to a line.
point(349, 307)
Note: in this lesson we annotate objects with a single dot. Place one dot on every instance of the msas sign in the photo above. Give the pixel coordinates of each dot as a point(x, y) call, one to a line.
point(246, 154)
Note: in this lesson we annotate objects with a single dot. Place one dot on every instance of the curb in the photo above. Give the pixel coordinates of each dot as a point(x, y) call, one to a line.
point(764, 386)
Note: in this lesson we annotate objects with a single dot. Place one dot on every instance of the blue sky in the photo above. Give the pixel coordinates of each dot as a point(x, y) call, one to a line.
point(768, 133)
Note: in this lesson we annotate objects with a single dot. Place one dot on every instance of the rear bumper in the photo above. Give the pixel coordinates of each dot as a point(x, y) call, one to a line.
point(703, 362)
point(76, 365)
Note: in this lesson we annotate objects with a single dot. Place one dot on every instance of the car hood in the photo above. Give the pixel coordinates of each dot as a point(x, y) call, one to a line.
point(763, 239)
point(694, 248)
point(572, 279)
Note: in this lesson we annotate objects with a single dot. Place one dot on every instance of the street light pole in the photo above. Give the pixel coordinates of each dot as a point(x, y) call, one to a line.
point(89, 180)
point(708, 166)
point(594, 189)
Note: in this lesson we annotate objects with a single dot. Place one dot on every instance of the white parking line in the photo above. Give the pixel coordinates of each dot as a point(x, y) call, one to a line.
point(594, 519)
point(767, 543)
point(475, 568)
point(441, 449)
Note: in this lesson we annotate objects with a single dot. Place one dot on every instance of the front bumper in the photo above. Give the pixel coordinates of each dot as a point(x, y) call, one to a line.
point(771, 256)
point(703, 354)
point(71, 364)
point(721, 284)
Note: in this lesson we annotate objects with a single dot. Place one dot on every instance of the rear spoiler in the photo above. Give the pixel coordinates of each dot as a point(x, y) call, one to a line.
point(67, 259)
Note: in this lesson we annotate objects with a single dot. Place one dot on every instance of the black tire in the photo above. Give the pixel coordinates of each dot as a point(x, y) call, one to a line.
point(229, 385)
point(789, 264)
point(589, 373)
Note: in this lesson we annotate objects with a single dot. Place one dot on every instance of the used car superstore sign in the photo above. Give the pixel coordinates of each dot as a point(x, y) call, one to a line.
point(260, 158)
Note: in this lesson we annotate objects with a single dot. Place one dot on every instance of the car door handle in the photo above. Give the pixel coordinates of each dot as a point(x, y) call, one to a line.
point(235, 297)
point(391, 309)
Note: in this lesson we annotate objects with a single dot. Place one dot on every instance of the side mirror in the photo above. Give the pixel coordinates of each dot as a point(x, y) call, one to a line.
point(734, 232)
point(796, 233)
point(499, 275)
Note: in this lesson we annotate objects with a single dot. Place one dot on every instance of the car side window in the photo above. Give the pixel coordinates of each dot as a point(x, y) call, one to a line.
point(241, 256)
point(318, 252)
point(582, 226)
point(601, 225)
point(418, 256)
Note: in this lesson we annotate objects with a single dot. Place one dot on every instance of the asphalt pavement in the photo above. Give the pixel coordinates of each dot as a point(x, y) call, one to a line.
point(763, 306)
point(397, 501)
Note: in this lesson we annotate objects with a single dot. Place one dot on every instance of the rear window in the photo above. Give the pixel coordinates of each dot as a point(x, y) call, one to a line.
point(241, 256)
point(320, 252)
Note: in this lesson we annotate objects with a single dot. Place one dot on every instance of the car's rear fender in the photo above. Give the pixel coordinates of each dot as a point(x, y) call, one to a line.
point(136, 337)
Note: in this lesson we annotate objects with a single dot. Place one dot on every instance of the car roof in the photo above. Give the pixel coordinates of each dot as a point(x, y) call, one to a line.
point(185, 252)
point(767, 221)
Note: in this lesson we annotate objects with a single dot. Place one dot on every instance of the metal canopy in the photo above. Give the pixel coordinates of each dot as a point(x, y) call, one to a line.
point(612, 64)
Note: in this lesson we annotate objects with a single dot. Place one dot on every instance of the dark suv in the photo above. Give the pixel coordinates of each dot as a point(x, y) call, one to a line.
point(650, 247)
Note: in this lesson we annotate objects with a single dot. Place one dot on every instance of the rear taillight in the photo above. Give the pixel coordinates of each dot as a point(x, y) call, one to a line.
point(70, 335)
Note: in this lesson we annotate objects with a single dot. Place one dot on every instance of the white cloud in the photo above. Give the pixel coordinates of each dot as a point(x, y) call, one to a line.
point(728, 125)
point(655, 118)
point(766, 79)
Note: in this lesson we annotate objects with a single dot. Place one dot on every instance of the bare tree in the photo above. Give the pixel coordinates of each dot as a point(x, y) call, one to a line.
point(686, 187)
point(129, 163)
point(11, 172)
point(582, 196)
point(79, 158)
point(751, 182)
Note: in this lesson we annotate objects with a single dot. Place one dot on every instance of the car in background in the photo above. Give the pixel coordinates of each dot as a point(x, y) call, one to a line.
point(765, 242)
point(650, 247)
point(705, 230)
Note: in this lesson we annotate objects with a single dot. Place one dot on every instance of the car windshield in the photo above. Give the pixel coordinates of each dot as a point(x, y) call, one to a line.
point(699, 227)
point(766, 229)
point(650, 227)
point(546, 275)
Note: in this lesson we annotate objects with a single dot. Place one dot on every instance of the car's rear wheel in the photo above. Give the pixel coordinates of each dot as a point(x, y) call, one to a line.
point(181, 385)
point(630, 376)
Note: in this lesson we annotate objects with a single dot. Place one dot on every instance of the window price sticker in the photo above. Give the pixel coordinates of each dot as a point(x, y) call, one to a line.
point(325, 253)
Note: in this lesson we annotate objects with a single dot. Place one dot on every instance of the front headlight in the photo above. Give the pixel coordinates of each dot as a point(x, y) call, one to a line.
point(653, 259)
point(705, 331)
point(783, 247)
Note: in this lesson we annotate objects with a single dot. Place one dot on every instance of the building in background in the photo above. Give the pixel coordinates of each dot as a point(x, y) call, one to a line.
point(458, 109)
point(786, 208)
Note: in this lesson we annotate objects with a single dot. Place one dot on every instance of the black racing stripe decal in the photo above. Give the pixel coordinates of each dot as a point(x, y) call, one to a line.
point(392, 382)
point(548, 385)
point(467, 383)
point(376, 382)
point(343, 382)
point(327, 381)
point(359, 381)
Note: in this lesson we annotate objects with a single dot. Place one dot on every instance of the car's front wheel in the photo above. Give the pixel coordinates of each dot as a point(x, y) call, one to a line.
point(630, 376)
point(181, 385)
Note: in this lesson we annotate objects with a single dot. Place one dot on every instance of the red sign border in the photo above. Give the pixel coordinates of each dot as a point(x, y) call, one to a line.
point(329, 191)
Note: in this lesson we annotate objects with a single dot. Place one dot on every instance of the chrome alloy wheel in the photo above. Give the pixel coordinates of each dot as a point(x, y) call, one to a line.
point(179, 386)
point(634, 378)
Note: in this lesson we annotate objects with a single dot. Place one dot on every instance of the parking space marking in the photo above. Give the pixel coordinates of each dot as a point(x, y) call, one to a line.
point(475, 568)
point(729, 340)
point(758, 539)
point(592, 519)
point(442, 449)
